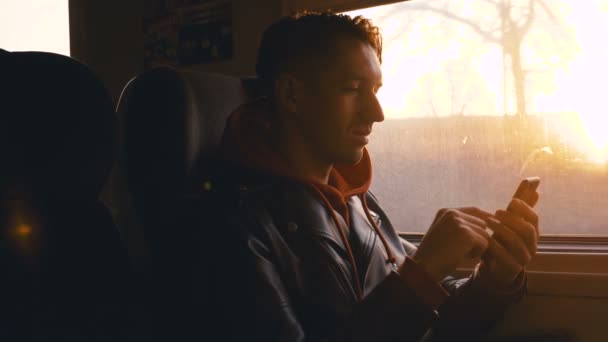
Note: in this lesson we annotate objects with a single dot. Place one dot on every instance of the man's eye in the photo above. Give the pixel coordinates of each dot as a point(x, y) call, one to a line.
point(351, 89)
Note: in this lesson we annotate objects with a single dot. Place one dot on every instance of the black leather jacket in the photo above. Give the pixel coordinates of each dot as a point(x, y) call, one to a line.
point(291, 279)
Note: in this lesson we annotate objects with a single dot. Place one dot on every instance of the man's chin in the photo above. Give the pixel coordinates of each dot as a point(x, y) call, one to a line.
point(351, 158)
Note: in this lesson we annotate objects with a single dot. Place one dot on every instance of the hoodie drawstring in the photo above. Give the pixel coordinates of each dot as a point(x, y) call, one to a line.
point(391, 257)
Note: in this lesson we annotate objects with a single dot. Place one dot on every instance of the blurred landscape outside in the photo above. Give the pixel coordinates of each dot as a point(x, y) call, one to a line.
point(479, 94)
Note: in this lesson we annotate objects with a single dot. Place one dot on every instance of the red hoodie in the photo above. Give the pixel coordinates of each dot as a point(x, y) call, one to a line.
point(245, 140)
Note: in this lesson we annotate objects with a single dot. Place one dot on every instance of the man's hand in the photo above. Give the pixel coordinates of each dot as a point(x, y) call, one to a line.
point(513, 245)
point(454, 235)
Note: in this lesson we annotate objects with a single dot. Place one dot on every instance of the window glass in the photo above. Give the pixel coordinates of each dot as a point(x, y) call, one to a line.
point(35, 25)
point(479, 94)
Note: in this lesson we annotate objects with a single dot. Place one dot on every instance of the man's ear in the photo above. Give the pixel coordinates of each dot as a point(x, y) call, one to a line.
point(286, 89)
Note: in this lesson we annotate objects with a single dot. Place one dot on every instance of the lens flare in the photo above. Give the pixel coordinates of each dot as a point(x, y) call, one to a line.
point(23, 230)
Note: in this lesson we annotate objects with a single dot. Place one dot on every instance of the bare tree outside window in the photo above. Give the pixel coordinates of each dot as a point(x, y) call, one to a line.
point(479, 94)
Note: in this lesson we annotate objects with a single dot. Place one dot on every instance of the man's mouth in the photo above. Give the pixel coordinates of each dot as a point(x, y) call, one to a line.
point(361, 135)
point(362, 131)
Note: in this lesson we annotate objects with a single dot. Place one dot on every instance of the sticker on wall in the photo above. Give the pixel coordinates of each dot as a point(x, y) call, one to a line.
point(160, 41)
point(205, 34)
point(189, 32)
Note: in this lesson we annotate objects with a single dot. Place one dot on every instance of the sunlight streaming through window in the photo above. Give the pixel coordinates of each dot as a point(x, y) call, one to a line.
point(476, 95)
point(35, 25)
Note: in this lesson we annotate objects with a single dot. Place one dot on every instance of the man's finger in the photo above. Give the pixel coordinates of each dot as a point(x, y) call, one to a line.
point(500, 255)
point(525, 230)
point(474, 220)
point(479, 239)
point(534, 198)
point(522, 209)
point(440, 214)
point(512, 242)
point(477, 212)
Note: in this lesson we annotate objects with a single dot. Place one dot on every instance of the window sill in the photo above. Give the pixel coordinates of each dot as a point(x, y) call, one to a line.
point(565, 266)
point(569, 244)
point(563, 275)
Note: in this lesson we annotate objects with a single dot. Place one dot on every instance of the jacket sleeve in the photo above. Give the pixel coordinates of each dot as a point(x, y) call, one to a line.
point(473, 307)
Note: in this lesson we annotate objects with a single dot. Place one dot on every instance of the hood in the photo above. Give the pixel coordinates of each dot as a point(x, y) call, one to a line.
point(247, 140)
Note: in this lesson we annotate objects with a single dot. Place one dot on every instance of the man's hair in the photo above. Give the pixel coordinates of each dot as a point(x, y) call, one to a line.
point(307, 35)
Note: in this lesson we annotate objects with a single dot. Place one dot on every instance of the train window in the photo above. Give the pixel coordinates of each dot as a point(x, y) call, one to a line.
point(35, 25)
point(479, 94)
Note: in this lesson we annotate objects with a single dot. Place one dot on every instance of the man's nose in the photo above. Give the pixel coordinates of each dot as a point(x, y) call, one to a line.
point(374, 109)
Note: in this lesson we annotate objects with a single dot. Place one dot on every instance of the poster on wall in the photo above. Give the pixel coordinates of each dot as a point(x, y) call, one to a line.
point(189, 32)
point(205, 34)
point(160, 41)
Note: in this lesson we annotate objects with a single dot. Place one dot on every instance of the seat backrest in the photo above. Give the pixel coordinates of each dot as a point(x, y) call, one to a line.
point(58, 124)
point(172, 122)
point(64, 265)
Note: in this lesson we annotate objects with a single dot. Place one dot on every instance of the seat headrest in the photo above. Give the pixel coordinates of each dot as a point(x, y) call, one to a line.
point(57, 125)
point(172, 120)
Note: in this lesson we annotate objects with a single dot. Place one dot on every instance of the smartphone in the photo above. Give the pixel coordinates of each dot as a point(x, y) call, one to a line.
point(525, 190)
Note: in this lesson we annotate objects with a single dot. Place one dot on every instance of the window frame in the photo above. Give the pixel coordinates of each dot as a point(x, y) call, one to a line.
point(579, 244)
point(290, 6)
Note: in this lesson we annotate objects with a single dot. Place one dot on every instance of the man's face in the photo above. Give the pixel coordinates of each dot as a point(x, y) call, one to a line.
point(337, 106)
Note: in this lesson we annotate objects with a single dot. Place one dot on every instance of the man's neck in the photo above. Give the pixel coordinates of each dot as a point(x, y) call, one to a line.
point(301, 160)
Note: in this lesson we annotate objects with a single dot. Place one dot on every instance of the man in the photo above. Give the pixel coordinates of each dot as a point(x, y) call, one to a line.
point(322, 261)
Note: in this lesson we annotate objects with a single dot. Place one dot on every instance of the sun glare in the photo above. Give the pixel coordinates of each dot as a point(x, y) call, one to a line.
point(580, 89)
point(422, 75)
